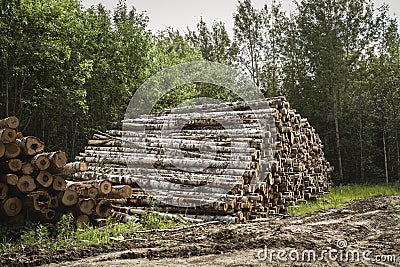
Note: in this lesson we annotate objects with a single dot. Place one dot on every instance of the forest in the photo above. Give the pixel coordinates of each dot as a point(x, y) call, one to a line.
point(66, 71)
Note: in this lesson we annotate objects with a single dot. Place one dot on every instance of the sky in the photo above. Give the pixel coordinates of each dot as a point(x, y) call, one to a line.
point(180, 14)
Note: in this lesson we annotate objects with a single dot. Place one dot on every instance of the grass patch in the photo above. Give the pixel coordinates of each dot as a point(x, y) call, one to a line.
point(341, 195)
point(65, 234)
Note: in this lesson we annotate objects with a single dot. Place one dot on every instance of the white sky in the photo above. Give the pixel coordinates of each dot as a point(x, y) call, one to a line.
point(180, 14)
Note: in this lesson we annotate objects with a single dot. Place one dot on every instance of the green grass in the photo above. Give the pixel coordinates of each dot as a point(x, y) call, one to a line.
point(65, 234)
point(341, 195)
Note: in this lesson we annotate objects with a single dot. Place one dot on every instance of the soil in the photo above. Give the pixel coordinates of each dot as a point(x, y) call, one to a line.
point(369, 228)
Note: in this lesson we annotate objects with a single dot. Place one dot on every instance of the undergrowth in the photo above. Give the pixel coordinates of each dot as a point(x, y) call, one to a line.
point(65, 234)
point(341, 195)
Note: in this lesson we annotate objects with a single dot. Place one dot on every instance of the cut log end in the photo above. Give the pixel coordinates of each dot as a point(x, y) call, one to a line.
point(10, 179)
point(105, 187)
point(27, 168)
point(103, 208)
point(69, 198)
point(12, 206)
point(26, 184)
point(58, 159)
point(86, 206)
point(53, 203)
point(45, 179)
point(92, 192)
point(41, 162)
point(32, 145)
point(12, 150)
point(82, 221)
point(49, 214)
point(13, 165)
point(8, 135)
point(59, 183)
point(10, 122)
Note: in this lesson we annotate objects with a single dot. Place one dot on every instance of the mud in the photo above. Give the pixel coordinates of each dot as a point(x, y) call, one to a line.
point(369, 228)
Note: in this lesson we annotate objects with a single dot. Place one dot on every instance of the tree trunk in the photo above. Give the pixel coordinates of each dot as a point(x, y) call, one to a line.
point(72, 167)
point(397, 153)
point(386, 160)
point(337, 133)
point(361, 150)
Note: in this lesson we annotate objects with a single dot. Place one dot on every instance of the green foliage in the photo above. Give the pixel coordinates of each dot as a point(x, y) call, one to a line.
point(65, 70)
point(153, 221)
point(214, 44)
point(341, 195)
point(65, 234)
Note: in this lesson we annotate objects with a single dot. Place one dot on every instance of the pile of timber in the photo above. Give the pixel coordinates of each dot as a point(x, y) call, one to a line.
point(230, 162)
point(33, 185)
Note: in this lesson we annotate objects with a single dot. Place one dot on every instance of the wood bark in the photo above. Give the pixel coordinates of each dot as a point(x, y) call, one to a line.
point(2, 149)
point(71, 168)
point(3, 191)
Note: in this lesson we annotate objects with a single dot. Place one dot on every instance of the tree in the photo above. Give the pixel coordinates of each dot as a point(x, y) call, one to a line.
point(214, 44)
point(329, 49)
point(249, 37)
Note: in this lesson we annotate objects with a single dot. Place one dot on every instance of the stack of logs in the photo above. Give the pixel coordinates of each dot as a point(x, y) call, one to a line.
point(231, 162)
point(33, 185)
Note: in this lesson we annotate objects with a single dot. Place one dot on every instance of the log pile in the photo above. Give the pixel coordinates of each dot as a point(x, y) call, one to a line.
point(33, 185)
point(231, 162)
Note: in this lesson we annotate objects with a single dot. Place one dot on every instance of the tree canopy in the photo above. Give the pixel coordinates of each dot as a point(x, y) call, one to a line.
point(66, 70)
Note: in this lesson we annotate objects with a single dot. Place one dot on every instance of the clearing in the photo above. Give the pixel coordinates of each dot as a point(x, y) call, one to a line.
point(369, 227)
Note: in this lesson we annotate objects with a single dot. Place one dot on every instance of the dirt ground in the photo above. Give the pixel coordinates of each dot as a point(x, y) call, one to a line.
point(364, 233)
